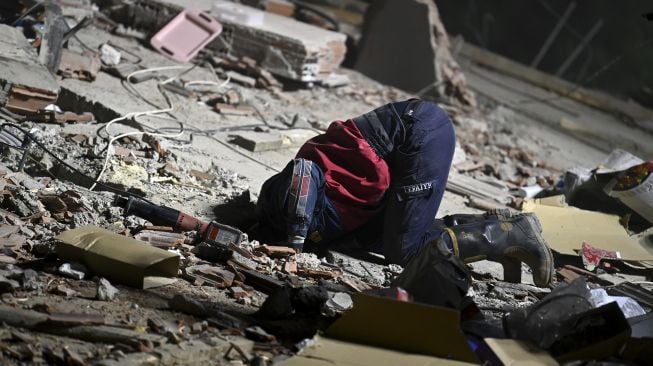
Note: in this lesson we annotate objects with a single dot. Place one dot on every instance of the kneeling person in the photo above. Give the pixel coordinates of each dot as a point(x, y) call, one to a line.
point(384, 174)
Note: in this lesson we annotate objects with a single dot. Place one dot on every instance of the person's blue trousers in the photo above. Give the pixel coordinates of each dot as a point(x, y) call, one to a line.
point(421, 143)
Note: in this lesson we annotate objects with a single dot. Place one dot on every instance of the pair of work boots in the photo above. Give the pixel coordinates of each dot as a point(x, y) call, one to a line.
point(502, 236)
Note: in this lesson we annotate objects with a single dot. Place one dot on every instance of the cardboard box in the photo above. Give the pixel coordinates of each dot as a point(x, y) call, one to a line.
point(381, 331)
point(330, 352)
point(517, 353)
point(565, 229)
point(403, 326)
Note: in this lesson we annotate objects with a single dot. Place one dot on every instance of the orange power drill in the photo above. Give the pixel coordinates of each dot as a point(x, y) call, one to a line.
point(212, 232)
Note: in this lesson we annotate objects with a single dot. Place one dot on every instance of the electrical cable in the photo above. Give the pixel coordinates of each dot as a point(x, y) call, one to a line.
point(26, 13)
point(109, 151)
point(133, 115)
point(206, 133)
point(64, 163)
point(152, 113)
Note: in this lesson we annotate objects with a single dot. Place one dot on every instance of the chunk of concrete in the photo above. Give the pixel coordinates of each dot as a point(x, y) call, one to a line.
point(106, 291)
point(281, 45)
point(405, 45)
point(73, 270)
point(26, 86)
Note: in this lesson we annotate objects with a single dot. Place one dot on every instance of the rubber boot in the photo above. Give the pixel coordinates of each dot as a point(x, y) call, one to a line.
point(506, 240)
point(459, 219)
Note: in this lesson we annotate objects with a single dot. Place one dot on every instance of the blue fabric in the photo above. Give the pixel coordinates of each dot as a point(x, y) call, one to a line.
point(420, 170)
point(284, 208)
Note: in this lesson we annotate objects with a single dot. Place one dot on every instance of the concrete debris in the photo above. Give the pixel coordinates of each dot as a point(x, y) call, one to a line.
point(433, 70)
point(204, 274)
point(109, 55)
point(280, 45)
point(7, 285)
point(64, 291)
point(28, 85)
point(274, 82)
point(84, 66)
point(73, 270)
point(275, 251)
point(339, 302)
point(64, 117)
point(105, 291)
point(29, 280)
point(227, 109)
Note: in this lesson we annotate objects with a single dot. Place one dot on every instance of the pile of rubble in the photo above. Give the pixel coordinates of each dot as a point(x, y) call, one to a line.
point(84, 280)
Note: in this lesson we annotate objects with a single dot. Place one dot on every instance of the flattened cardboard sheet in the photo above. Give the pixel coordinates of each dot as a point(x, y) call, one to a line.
point(403, 326)
point(331, 352)
point(118, 258)
point(565, 228)
point(517, 353)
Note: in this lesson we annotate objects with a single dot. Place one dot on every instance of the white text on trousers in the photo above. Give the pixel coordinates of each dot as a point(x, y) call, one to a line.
point(418, 187)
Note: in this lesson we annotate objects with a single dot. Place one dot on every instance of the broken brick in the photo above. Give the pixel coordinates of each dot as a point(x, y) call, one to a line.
point(276, 251)
point(290, 267)
point(238, 292)
point(316, 273)
point(84, 66)
point(63, 291)
point(234, 110)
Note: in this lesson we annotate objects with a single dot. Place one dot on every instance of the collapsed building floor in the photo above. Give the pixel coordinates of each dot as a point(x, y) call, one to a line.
point(154, 129)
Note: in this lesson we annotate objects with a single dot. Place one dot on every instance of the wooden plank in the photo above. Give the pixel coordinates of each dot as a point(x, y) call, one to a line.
point(266, 141)
point(640, 115)
point(470, 187)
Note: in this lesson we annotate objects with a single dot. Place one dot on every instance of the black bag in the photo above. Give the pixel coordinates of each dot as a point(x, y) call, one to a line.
point(436, 277)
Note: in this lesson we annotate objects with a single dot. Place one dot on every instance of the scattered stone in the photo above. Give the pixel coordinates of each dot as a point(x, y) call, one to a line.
point(7, 285)
point(174, 337)
point(307, 260)
point(290, 267)
point(238, 292)
point(73, 270)
point(16, 206)
point(29, 280)
point(197, 327)
point(276, 251)
point(106, 291)
point(7, 259)
point(340, 301)
point(109, 55)
point(258, 334)
point(64, 291)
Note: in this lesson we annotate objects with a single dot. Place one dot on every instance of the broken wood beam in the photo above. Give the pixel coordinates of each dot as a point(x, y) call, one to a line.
point(266, 141)
point(484, 194)
point(642, 116)
point(73, 326)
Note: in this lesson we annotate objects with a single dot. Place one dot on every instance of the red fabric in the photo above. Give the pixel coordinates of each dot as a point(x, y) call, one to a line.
point(356, 177)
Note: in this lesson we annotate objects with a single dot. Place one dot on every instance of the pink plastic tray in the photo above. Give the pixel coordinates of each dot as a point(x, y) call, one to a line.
point(186, 35)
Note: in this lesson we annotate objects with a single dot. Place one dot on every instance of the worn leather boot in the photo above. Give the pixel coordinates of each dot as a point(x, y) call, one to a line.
point(506, 239)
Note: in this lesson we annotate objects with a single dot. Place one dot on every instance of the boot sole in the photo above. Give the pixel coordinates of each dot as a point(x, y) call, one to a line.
point(534, 222)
